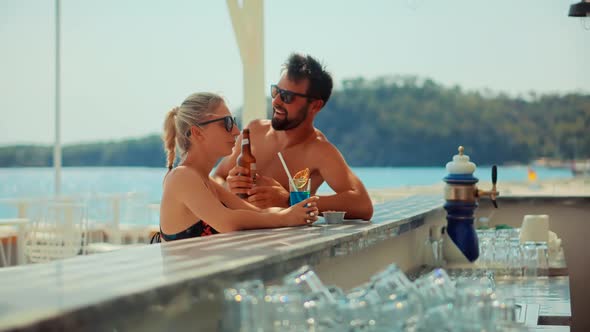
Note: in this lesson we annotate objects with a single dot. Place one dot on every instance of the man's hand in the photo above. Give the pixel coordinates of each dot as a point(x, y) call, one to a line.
point(238, 184)
point(268, 193)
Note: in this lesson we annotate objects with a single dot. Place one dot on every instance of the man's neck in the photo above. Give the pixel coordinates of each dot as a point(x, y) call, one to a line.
point(289, 138)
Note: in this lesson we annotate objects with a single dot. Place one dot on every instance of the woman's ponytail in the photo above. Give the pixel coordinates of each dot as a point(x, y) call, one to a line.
point(169, 137)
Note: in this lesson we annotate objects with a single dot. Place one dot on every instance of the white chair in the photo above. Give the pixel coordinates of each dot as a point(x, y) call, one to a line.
point(60, 231)
point(6, 235)
point(122, 217)
point(13, 228)
point(111, 211)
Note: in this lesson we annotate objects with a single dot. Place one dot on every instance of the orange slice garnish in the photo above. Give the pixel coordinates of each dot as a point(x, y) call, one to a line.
point(301, 177)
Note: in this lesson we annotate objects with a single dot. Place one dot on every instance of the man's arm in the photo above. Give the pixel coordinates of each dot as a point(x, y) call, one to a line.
point(351, 195)
point(233, 202)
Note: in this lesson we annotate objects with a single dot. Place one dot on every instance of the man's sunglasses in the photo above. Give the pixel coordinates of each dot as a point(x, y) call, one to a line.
point(286, 95)
point(228, 121)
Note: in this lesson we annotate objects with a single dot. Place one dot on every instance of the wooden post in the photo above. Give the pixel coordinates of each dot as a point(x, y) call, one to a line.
point(248, 23)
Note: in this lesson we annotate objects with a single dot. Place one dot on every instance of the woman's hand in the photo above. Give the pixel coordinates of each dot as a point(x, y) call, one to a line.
point(236, 183)
point(302, 213)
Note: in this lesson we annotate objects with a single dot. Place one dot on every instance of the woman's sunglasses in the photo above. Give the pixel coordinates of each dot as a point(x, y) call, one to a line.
point(286, 95)
point(228, 121)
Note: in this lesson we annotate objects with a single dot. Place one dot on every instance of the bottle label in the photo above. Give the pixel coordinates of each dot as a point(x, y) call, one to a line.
point(253, 173)
point(245, 141)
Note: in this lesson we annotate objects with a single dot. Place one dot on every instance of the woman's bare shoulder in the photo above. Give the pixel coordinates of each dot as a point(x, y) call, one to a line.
point(180, 175)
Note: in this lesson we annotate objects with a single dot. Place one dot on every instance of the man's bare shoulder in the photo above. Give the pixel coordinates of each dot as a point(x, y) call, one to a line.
point(259, 126)
point(322, 145)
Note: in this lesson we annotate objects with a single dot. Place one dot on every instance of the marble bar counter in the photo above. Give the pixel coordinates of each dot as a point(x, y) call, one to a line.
point(547, 298)
point(177, 285)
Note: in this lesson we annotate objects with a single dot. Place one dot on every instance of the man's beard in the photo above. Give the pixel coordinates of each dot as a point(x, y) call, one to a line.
point(285, 123)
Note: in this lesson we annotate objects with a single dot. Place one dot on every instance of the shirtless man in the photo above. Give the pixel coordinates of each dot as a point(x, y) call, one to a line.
point(302, 91)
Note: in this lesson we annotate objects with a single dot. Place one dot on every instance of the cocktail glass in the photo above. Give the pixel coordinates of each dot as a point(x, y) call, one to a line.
point(297, 195)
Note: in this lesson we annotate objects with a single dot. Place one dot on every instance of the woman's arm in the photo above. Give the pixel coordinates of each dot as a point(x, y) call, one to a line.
point(230, 199)
point(234, 202)
point(190, 189)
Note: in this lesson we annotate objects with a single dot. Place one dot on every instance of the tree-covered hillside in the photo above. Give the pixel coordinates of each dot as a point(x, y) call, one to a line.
point(395, 121)
point(404, 121)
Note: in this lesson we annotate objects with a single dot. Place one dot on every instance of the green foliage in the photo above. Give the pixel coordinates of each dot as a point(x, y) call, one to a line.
point(25, 156)
point(406, 121)
point(395, 121)
point(146, 151)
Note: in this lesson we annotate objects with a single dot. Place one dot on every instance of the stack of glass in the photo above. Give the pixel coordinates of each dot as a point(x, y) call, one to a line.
point(389, 301)
point(501, 251)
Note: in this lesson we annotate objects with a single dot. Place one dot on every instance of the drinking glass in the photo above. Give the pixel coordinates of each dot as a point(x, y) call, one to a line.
point(515, 258)
point(530, 258)
point(244, 308)
point(307, 282)
point(474, 278)
point(501, 254)
point(514, 235)
point(437, 319)
point(323, 315)
point(435, 288)
point(360, 309)
point(399, 313)
point(486, 247)
point(542, 258)
point(285, 310)
point(336, 292)
point(506, 310)
point(475, 308)
point(297, 195)
point(392, 280)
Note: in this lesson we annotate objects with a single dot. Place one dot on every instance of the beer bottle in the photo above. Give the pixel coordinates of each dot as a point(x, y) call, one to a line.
point(246, 159)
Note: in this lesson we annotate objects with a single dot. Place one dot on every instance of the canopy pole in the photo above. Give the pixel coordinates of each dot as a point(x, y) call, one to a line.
point(248, 24)
point(57, 144)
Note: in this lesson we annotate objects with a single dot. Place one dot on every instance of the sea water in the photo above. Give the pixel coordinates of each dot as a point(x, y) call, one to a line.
point(27, 183)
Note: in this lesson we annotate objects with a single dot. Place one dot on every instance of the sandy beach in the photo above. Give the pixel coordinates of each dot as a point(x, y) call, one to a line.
point(577, 186)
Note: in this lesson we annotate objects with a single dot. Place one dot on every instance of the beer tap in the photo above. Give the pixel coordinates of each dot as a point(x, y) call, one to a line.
point(493, 194)
point(462, 195)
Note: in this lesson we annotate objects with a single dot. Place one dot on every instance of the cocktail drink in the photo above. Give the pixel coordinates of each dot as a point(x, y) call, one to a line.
point(297, 195)
point(300, 189)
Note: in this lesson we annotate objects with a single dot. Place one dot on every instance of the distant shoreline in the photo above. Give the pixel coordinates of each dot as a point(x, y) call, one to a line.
point(576, 186)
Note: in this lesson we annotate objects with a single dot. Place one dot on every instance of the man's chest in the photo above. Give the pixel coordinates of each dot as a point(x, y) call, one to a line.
point(269, 164)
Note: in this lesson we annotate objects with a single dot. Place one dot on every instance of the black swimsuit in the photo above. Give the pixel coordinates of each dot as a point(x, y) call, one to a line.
point(200, 228)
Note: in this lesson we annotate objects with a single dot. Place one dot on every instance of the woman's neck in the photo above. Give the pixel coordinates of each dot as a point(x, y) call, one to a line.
point(201, 165)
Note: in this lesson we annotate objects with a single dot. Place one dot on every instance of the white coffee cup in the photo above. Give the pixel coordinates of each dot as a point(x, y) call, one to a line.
point(535, 227)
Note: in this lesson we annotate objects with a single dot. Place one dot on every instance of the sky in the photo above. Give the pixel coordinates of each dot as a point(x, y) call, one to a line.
point(126, 63)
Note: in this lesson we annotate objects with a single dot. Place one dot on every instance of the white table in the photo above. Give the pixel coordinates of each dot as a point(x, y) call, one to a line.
point(20, 224)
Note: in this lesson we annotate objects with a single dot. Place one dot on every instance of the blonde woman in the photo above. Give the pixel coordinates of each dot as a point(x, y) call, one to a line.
point(203, 131)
